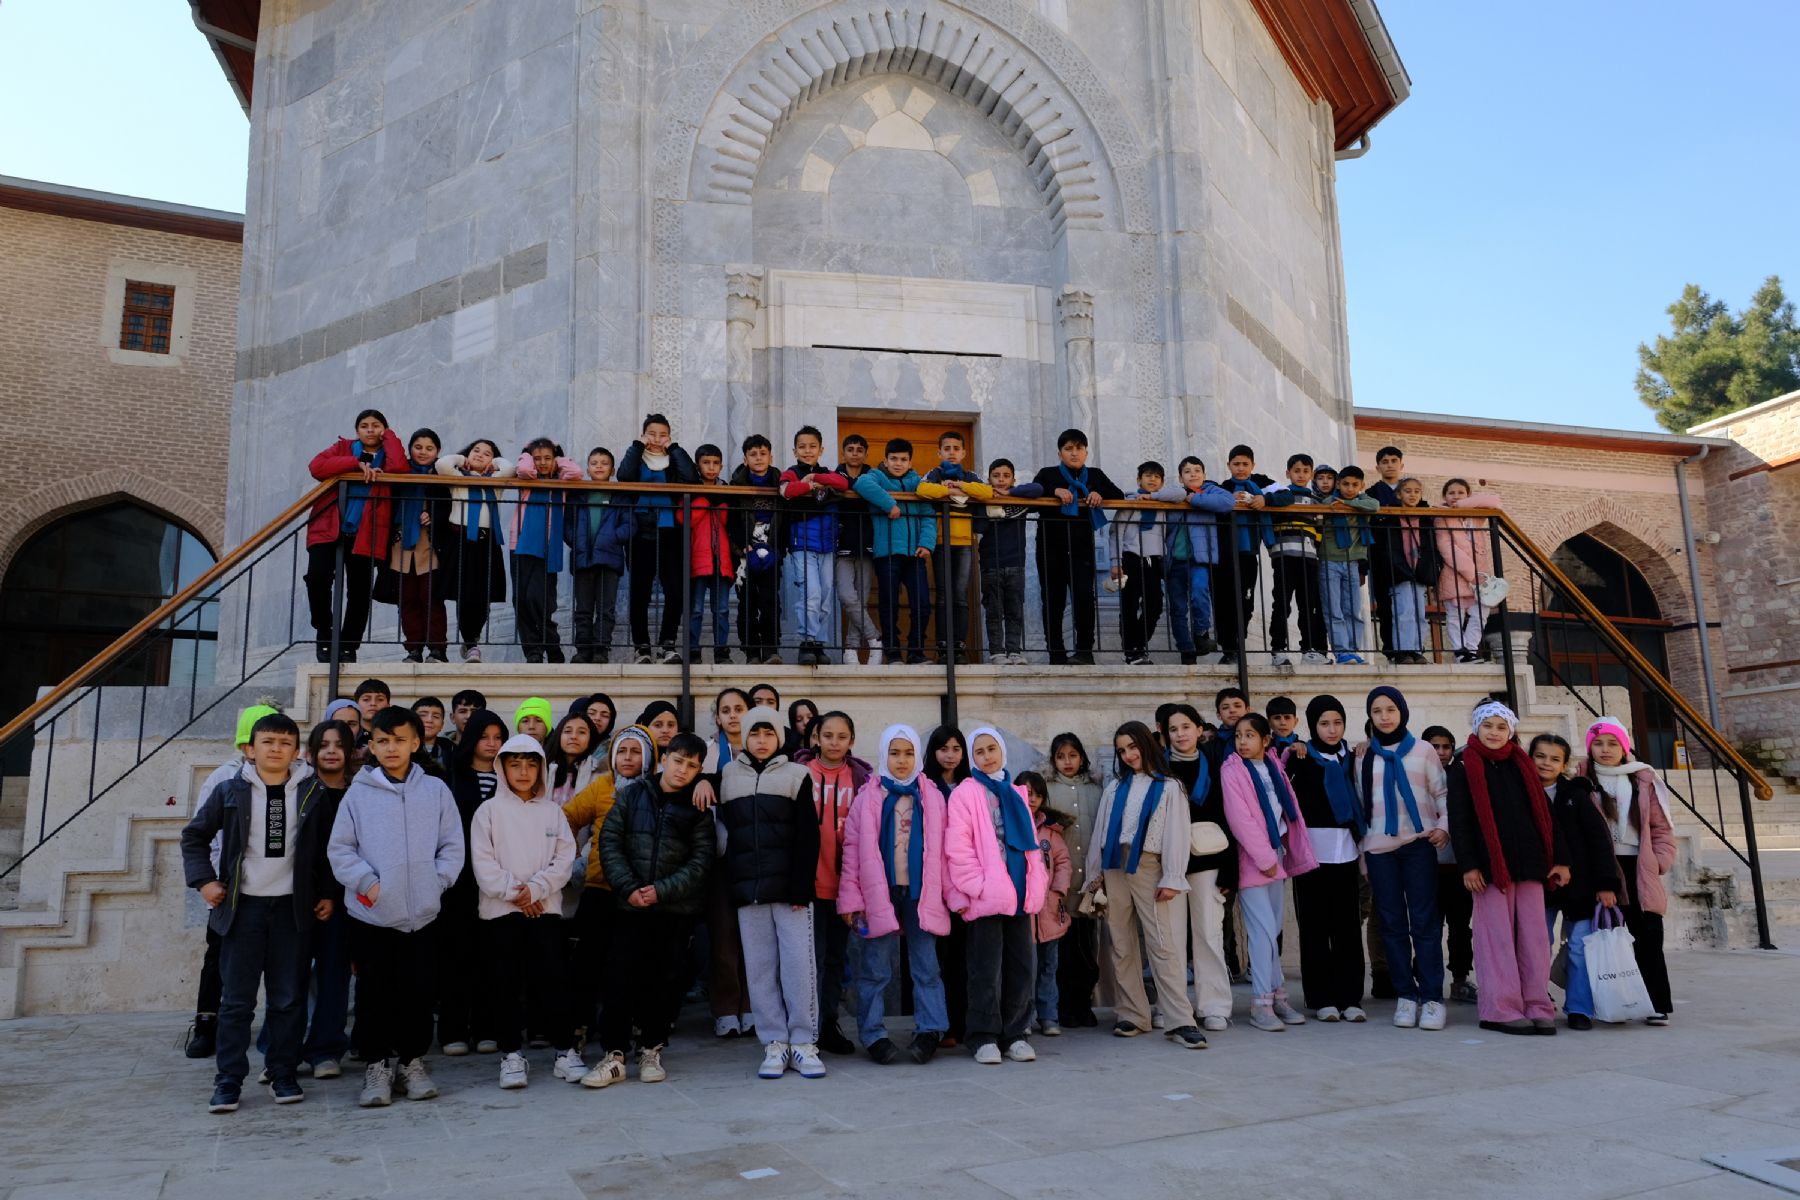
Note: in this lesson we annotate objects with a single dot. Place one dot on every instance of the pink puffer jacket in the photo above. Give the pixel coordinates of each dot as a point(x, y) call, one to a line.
point(976, 884)
point(862, 881)
point(1255, 855)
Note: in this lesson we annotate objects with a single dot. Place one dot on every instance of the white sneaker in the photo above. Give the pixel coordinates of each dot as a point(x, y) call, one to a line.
point(327, 1068)
point(569, 1066)
point(726, 1026)
point(804, 1058)
point(1021, 1051)
point(1288, 1013)
point(1215, 1024)
point(988, 1054)
point(515, 1072)
point(1355, 1015)
point(850, 658)
point(606, 1072)
point(378, 1086)
point(1433, 1016)
point(1050, 1029)
point(1313, 658)
point(417, 1080)
point(1280, 660)
point(487, 1046)
point(1156, 1019)
point(1406, 1014)
point(874, 652)
point(455, 1049)
point(650, 1068)
point(1329, 1014)
point(775, 1061)
point(1263, 1017)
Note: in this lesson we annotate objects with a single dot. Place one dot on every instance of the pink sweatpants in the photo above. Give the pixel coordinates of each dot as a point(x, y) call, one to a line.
point(1512, 956)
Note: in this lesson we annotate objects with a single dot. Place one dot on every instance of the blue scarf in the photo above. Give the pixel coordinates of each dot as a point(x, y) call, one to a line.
point(915, 839)
point(1021, 830)
point(1079, 489)
point(1285, 741)
point(1109, 850)
point(481, 498)
point(1396, 788)
point(412, 507)
point(1288, 808)
point(357, 494)
point(1340, 787)
point(541, 529)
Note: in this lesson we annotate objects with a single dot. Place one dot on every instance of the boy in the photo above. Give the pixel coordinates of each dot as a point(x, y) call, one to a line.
point(272, 842)
point(655, 848)
point(1453, 898)
point(1294, 555)
point(948, 480)
point(1194, 540)
point(522, 852)
point(710, 560)
point(1344, 554)
point(756, 540)
point(769, 848)
point(905, 535)
point(1234, 582)
point(438, 749)
point(656, 540)
point(462, 706)
point(812, 494)
point(532, 718)
point(1390, 465)
point(371, 696)
point(855, 566)
point(1324, 482)
point(1065, 545)
point(396, 825)
point(1002, 549)
point(1284, 718)
point(598, 527)
point(537, 551)
point(1142, 539)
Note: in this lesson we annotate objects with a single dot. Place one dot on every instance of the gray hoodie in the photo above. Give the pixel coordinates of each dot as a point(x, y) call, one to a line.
point(405, 836)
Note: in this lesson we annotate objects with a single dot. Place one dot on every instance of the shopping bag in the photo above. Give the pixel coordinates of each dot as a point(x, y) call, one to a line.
point(1613, 975)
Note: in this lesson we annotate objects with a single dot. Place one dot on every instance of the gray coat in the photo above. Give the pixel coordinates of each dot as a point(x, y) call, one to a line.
point(407, 837)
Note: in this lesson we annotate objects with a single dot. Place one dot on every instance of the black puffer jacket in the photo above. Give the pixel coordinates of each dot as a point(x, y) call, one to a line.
point(1592, 866)
point(658, 838)
point(770, 831)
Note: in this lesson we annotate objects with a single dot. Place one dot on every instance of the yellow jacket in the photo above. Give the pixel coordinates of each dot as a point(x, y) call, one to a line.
point(962, 532)
point(589, 806)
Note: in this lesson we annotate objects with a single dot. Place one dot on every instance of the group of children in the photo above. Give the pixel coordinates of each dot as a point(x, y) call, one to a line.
point(438, 850)
point(826, 541)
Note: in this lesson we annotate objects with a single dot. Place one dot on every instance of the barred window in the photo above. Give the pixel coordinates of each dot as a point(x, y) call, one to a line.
point(149, 312)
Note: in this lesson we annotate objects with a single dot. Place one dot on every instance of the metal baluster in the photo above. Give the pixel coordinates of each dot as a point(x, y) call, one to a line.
point(337, 598)
point(948, 705)
point(1756, 878)
point(1237, 602)
point(688, 646)
point(1512, 683)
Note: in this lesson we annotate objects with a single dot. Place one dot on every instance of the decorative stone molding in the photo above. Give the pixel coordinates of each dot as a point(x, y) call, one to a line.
point(743, 297)
point(69, 496)
point(1077, 309)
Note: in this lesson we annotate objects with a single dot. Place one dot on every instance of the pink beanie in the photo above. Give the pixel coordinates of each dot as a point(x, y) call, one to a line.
point(1610, 725)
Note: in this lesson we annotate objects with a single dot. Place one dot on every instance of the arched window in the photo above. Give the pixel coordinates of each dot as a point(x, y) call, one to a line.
point(84, 580)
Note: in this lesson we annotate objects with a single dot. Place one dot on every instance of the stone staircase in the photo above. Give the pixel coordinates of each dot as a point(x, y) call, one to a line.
point(13, 790)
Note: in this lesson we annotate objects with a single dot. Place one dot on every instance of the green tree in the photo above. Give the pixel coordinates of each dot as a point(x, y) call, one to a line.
point(1714, 362)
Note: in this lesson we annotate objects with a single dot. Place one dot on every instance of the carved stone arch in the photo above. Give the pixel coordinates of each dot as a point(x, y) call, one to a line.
point(70, 496)
point(1622, 530)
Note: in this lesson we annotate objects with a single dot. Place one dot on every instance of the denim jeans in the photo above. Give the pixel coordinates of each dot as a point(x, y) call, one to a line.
point(960, 562)
point(267, 946)
point(1403, 883)
point(1048, 960)
point(1578, 997)
point(881, 957)
point(325, 1035)
point(1190, 603)
point(810, 577)
point(1408, 603)
point(1342, 589)
point(718, 589)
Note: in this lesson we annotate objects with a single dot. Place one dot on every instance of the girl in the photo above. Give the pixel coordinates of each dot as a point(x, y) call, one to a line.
point(600, 709)
point(573, 760)
point(947, 765)
point(363, 527)
point(1415, 568)
point(464, 1014)
point(801, 714)
point(1508, 848)
point(1141, 861)
point(422, 511)
point(598, 527)
point(1636, 804)
point(1053, 918)
point(1465, 551)
point(1401, 785)
point(1273, 845)
point(727, 987)
point(892, 887)
point(1327, 901)
point(994, 878)
point(1593, 871)
point(661, 719)
point(329, 748)
point(836, 778)
point(470, 550)
point(537, 550)
point(1211, 877)
point(1074, 790)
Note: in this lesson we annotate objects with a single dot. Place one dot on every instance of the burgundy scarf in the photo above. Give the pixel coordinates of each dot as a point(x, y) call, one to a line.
point(1476, 774)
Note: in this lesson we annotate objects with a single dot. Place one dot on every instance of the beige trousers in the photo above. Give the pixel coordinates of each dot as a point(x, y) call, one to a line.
point(1204, 916)
point(1131, 908)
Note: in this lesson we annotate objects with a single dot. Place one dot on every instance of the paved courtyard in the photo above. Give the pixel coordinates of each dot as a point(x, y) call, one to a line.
point(106, 1108)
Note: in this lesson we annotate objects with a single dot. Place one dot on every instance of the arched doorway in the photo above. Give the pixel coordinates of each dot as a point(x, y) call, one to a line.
point(81, 582)
point(1575, 655)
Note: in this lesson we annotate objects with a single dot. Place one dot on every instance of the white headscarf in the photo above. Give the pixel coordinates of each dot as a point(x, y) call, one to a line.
point(904, 733)
point(993, 733)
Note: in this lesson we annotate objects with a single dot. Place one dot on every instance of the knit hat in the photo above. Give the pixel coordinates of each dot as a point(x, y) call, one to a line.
point(762, 714)
point(248, 718)
point(633, 733)
point(1392, 693)
point(1324, 469)
point(1318, 706)
point(1610, 725)
point(1496, 708)
point(655, 709)
point(534, 706)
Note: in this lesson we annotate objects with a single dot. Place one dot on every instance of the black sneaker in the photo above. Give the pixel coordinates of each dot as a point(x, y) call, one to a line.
point(1083, 659)
point(286, 1090)
point(1125, 1029)
point(1580, 1021)
point(1188, 1036)
point(203, 1038)
point(224, 1097)
point(1228, 659)
point(924, 1045)
point(721, 656)
point(1189, 658)
point(883, 1051)
point(833, 1041)
point(1464, 992)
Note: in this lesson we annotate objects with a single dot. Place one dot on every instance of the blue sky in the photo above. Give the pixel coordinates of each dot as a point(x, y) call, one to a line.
point(1561, 170)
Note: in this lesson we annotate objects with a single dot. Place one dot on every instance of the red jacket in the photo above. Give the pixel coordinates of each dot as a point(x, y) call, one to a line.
point(711, 555)
point(375, 530)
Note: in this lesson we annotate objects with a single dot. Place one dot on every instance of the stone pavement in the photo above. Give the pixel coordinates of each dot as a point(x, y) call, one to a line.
point(106, 1108)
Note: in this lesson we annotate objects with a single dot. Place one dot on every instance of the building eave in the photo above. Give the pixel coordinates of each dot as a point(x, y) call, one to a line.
point(1342, 54)
point(1488, 429)
point(80, 204)
point(230, 28)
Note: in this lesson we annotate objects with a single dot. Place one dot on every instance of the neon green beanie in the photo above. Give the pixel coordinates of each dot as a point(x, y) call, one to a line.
point(248, 718)
point(534, 706)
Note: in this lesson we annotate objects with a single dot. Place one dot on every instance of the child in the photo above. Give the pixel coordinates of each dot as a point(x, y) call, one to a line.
point(1142, 863)
point(598, 527)
point(533, 717)
point(464, 1018)
point(855, 569)
point(1053, 919)
point(1234, 582)
point(329, 749)
point(421, 513)
point(1326, 901)
point(1212, 876)
point(1294, 556)
point(710, 561)
point(1065, 544)
point(837, 776)
point(464, 704)
point(1344, 552)
point(1401, 784)
point(522, 851)
point(905, 536)
point(656, 848)
point(435, 748)
point(1508, 848)
point(1001, 531)
point(1193, 557)
point(812, 494)
point(599, 709)
point(1411, 566)
point(1284, 719)
point(1273, 845)
point(1390, 466)
point(995, 879)
point(757, 541)
point(769, 848)
point(1635, 801)
point(272, 839)
point(947, 765)
point(1141, 542)
point(1324, 482)
point(656, 540)
point(537, 550)
point(1465, 548)
point(892, 887)
point(399, 826)
point(948, 480)
point(572, 754)
point(471, 553)
point(1454, 900)
point(371, 695)
point(1073, 790)
point(364, 527)
point(1593, 871)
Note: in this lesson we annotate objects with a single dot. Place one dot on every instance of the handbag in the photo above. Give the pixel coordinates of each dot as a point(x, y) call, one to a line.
point(1492, 591)
point(1091, 904)
point(1206, 838)
point(387, 585)
point(1559, 966)
point(1613, 975)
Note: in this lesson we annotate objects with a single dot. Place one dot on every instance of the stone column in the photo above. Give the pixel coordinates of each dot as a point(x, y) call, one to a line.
point(743, 296)
point(1076, 307)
